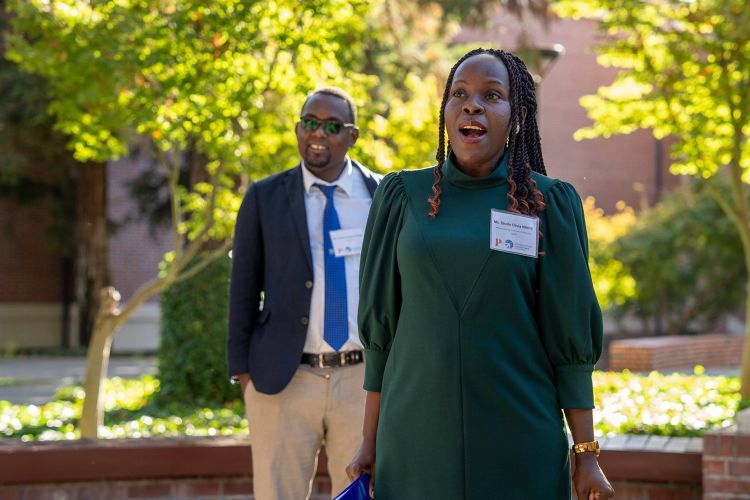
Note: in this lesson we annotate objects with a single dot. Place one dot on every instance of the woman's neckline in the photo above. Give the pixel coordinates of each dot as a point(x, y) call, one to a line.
point(458, 178)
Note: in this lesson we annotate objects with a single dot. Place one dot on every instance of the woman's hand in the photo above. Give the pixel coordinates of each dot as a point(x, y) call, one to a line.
point(589, 480)
point(363, 462)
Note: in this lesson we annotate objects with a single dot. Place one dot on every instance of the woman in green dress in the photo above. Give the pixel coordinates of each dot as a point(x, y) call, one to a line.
point(479, 320)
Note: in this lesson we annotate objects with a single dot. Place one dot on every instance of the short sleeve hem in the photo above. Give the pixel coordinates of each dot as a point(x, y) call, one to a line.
point(374, 368)
point(574, 386)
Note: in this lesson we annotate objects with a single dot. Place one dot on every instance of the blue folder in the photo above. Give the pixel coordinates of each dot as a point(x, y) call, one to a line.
point(358, 490)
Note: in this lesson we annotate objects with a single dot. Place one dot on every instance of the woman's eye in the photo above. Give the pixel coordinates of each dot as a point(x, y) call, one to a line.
point(494, 96)
point(458, 93)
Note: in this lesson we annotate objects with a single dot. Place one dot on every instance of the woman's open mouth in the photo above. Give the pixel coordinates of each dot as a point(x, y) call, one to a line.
point(472, 131)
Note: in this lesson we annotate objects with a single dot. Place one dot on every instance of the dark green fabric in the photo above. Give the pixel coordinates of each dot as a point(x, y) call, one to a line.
point(474, 351)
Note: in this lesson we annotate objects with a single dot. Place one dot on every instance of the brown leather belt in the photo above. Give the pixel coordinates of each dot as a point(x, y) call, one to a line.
point(333, 359)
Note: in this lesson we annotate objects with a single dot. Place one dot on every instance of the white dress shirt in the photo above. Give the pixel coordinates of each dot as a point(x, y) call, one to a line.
point(352, 201)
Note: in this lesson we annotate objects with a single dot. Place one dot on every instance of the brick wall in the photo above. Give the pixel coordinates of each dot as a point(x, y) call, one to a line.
point(214, 488)
point(240, 488)
point(726, 463)
point(681, 351)
point(30, 270)
point(640, 468)
point(634, 490)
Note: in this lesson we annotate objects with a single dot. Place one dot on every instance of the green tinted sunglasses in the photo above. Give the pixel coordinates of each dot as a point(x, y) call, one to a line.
point(329, 126)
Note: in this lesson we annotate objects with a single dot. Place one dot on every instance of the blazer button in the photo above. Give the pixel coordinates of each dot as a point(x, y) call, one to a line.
point(308, 284)
point(304, 320)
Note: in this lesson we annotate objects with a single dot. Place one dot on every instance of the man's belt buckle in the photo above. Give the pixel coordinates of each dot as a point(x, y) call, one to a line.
point(332, 359)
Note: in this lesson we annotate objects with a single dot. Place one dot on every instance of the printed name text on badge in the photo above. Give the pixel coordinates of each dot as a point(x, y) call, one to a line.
point(347, 241)
point(514, 233)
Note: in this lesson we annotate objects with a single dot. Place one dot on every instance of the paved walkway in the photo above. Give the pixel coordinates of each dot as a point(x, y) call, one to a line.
point(34, 379)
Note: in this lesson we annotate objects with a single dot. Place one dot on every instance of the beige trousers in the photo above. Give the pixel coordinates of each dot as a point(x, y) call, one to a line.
point(319, 406)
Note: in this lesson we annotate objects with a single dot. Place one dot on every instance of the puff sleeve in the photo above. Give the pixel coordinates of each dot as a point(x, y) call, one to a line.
point(569, 316)
point(379, 279)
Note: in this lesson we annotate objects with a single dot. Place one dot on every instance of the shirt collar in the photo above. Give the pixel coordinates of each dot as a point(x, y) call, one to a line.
point(344, 182)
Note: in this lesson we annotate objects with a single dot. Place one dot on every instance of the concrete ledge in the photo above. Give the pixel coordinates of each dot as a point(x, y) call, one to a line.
point(679, 351)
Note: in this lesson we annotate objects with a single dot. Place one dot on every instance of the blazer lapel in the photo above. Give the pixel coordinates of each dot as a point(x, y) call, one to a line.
point(370, 180)
point(296, 194)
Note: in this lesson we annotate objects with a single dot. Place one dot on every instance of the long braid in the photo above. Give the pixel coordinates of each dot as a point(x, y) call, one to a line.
point(524, 145)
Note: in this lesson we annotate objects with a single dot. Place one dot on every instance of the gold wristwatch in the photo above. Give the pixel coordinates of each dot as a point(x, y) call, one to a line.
point(586, 447)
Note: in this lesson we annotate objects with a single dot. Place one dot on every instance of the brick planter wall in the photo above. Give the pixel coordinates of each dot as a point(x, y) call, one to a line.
point(207, 468)
point(680, 351)
point(640, 468)
point(726, 464)
point(215, 488)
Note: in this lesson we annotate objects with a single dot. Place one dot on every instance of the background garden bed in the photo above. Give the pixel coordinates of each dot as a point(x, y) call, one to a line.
point(626, 403)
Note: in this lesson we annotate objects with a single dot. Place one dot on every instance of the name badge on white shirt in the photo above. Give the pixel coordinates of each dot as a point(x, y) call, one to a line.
point(514, 233)
point(347, 241)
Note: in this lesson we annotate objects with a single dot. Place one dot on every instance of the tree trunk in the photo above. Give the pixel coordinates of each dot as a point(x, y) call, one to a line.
point(97, 361)
point(91, 270)
point(108, 321)
point(745, 369)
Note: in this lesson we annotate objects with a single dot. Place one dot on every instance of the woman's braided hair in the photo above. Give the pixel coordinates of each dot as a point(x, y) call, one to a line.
point(524, 146)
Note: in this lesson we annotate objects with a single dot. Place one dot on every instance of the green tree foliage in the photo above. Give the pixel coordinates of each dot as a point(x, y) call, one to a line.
point(226, 79)
point(223, 81)
point(614, 285)
point(479, 12)
point(684, 73)
point(27, 142)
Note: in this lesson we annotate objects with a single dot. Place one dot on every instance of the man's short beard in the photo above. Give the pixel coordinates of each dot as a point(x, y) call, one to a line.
point(318, 164)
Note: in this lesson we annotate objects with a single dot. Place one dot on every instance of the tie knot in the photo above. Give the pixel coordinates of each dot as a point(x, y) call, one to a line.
point(326, 189)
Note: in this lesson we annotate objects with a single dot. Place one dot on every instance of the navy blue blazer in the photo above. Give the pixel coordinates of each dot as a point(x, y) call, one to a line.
point(270, 288)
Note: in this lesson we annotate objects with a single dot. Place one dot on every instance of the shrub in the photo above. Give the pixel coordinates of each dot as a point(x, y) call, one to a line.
point(192, 354)
point(686, 259)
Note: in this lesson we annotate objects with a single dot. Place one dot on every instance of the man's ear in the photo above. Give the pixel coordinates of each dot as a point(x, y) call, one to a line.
point(354, 136)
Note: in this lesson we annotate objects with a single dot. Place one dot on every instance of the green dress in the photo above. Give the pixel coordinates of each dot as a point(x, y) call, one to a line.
point(475, 351)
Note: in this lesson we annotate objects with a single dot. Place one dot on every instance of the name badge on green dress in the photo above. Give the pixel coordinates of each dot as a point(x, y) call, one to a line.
point(514, 233)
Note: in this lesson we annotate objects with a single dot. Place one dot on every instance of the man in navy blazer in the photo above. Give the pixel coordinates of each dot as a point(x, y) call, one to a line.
point(293, 342)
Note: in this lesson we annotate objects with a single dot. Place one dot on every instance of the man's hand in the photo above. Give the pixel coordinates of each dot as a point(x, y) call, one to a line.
point(244, 379)
point(589, 480)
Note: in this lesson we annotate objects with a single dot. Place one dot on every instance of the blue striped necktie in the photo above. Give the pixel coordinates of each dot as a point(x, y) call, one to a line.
point(336, 316)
